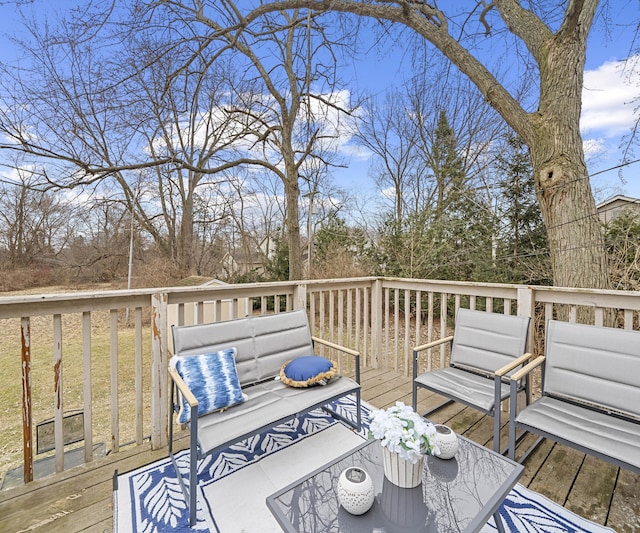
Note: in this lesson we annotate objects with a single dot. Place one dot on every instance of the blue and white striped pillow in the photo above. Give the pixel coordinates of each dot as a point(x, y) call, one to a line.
point(213, 380)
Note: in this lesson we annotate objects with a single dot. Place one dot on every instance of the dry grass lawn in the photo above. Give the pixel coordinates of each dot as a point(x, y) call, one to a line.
point(11, 440)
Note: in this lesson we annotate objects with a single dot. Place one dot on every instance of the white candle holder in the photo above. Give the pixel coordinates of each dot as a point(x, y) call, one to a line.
point(447, 442)
point(355, 490)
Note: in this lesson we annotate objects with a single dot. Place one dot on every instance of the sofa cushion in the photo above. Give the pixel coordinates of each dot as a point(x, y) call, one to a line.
point(213, 380)
point(307, 371)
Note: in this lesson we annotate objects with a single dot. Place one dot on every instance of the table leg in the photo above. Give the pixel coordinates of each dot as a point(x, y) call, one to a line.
point(498, 520)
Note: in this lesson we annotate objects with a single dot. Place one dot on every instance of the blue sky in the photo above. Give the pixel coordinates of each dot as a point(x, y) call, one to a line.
point(608, 96)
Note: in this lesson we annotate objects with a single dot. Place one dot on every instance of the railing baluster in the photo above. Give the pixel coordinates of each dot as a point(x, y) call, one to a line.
point(341, 316)
point(312, 314)
point(418, 318)
point(58, 392)
point(349, 339)
point(115, 429)
point(407, 324)
point(86, 387)
point(138, 377)
point(599, 316)
point(573, 314)
point(443, 324)
point(358, 318)
point(332, 322)
point(366, 360)
point(628, 319)
point(387, 332)
point(27, 414)
point(429, 327)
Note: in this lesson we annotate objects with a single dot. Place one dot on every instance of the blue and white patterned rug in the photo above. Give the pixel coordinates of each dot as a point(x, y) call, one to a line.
point(234, 483)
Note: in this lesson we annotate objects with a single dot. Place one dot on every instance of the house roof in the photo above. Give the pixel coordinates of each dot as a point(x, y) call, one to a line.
point(618, 198)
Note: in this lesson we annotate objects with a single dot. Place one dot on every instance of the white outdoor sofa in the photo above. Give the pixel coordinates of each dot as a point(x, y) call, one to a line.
point(263, 344)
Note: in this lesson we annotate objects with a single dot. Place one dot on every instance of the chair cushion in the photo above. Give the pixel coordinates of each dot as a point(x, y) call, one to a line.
point(307, 370)
point(600, 433)
point(462, 386)
point(213, 380)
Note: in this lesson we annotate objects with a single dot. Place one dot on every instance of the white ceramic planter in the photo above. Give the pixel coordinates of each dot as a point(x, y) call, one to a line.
point(355, 490)
point(401, 472)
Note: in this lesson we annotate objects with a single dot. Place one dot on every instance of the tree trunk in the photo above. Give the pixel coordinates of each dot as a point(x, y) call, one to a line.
point(576, 239)
point(292, 193)
point(185, 236)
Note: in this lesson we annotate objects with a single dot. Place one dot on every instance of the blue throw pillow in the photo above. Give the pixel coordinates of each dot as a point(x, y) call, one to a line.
point(213, 380)
point(308, 370)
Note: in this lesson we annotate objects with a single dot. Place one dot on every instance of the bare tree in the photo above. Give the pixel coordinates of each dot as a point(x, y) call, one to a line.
point(91, 113)
point(386, 129)
point(34, 225)
point(295, 102)
point(555, 46)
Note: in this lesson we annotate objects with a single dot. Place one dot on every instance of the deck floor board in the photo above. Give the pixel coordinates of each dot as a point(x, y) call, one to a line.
point(80, 499)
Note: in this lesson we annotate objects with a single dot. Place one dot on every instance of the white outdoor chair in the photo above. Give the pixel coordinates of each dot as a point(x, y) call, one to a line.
point(485, 349)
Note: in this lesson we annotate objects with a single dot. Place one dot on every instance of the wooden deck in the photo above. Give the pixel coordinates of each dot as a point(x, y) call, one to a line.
point(81, 499)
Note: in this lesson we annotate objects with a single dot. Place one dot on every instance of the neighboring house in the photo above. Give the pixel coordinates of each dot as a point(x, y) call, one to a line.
point(613, 207)
point(244, 262)
point(239, 262)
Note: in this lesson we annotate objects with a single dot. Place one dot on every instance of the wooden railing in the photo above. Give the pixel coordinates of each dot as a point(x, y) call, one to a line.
point(109, 351)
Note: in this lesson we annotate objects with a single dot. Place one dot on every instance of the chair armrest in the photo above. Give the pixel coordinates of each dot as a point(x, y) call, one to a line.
point(338, 347)
point(517, 376)
point(343, 349)
point(513, 364)
point(183, 388)
point(432, 344)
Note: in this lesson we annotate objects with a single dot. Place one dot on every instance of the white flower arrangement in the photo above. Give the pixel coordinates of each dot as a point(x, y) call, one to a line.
point(403, 431)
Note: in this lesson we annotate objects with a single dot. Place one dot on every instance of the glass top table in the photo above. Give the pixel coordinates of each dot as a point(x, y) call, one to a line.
point(458, 494)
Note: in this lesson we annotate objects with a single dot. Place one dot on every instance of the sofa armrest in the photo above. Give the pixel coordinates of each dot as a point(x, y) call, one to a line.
point(513, 364)
point(184, 390)
point(343, 349)
point(338, 347)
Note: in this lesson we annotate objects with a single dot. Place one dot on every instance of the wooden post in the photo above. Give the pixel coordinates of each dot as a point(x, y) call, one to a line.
point(300, 297)
point(526, 307)
point(159, 372)
point(27, 417)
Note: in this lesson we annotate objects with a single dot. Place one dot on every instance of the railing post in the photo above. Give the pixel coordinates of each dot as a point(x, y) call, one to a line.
point(376, 322)
point(27, 417)
point(300, 296)
point(159, 372)
point(526, 307)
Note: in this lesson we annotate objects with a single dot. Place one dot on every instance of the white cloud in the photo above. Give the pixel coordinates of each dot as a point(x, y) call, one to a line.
point(594, 148)
point(608, 99)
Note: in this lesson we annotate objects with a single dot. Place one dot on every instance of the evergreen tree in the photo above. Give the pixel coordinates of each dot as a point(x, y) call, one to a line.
point(524, 236)
point(277, 267)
